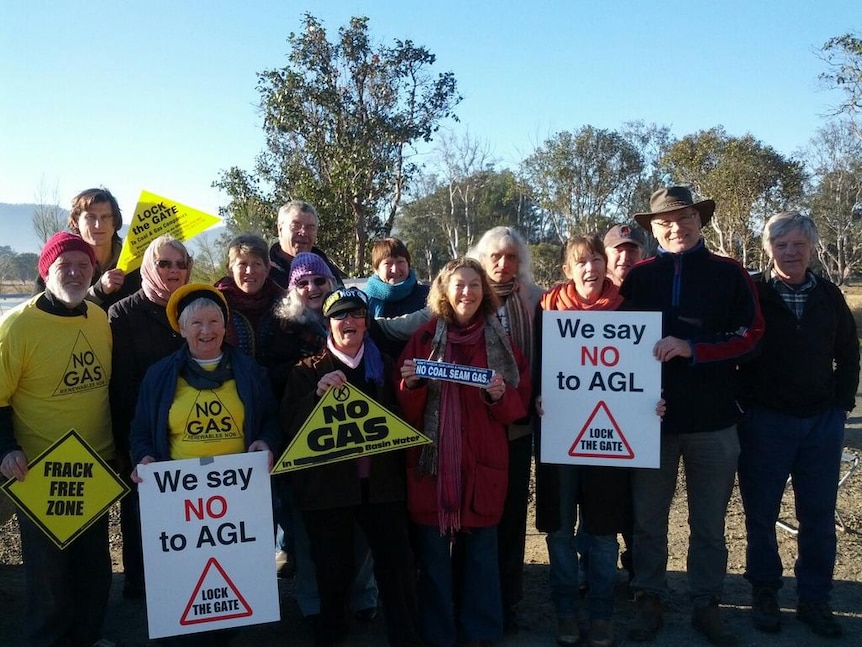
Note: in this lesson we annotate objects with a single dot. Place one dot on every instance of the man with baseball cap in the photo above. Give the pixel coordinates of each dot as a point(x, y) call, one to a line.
point(55, 366)
point(624, 247)
point(711, 320)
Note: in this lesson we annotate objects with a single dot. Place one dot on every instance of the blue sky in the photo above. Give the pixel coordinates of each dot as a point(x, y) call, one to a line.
point(160, 95)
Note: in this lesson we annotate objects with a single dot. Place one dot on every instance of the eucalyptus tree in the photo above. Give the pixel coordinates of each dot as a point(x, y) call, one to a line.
point(748, 180)
point(835, 198)
point(583, 180)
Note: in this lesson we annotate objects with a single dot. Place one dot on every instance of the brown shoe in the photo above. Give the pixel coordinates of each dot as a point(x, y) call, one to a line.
point(601, 633)
point(707, 620)
point(648, 618)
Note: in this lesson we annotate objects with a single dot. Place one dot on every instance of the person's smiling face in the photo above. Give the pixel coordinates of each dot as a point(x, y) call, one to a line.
point(464, 294)
point(204, 331)
point(249, 272)
point(677, 231)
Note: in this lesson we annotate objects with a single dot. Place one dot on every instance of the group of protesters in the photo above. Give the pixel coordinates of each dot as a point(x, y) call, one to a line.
point(758, 374)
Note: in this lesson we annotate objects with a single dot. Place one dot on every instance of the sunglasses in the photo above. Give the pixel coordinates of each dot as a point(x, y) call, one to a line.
point(353, 314)
point(319, 281)
point(165, 264)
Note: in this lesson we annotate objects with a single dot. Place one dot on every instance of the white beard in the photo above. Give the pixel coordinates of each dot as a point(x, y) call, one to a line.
point(70, 296)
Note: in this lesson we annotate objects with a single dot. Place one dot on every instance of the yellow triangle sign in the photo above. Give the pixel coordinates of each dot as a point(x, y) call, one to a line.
point(346, 424)
point(68, 487)
point(154, 216)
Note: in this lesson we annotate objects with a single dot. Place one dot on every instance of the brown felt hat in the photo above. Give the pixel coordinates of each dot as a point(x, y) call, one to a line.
point(674, 198)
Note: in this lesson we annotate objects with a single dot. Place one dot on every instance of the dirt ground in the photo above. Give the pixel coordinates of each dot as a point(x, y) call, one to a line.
point(126, 623)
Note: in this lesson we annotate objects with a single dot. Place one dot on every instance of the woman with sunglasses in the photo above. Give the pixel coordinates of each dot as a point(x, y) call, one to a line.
point(368, 492)
point(142, 336)
point(302, 333)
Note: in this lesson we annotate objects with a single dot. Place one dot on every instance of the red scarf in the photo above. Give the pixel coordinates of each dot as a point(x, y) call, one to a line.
point(565, 297)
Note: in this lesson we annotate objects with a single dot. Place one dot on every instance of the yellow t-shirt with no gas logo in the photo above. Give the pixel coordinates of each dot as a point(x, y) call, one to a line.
point(206, 423)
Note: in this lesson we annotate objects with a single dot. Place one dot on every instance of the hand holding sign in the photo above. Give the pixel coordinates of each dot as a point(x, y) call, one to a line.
point(335, 378)
point(497, 388)
point(14, 465)
point(408, 374)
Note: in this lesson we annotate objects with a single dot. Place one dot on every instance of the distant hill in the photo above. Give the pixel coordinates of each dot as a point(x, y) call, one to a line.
point(16, 227)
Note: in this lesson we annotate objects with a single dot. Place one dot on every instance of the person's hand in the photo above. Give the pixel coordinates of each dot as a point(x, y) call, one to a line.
point(539, 408)
point(661, 408)
point(14, 465)
point(496, 388)
point(336, 378)
point(408, 374)
point(262, 446)
point(670, 347)
point(146, 460)
point(112, 280)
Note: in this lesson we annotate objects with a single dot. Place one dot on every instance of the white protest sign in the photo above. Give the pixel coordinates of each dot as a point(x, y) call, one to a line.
point(600, 386)
point(207, 535)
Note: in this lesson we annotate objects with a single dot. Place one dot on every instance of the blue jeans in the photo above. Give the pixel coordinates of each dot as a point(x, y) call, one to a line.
point(563, 548)
point(774, 446)
point(710, 459)
point(66, 593)
point(480, 616)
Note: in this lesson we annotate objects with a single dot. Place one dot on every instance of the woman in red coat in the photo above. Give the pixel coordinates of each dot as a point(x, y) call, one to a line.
point(456, 486)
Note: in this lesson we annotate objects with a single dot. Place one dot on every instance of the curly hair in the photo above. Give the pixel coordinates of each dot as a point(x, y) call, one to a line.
point(438, 299)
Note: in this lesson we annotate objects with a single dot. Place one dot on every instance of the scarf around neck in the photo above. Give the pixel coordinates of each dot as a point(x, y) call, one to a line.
point(566, 297)
point(200, 378)
point(518, 315)
point(380, 292)
point(452, 343)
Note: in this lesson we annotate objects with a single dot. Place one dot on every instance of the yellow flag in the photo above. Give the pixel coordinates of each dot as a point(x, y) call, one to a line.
point(154, 216)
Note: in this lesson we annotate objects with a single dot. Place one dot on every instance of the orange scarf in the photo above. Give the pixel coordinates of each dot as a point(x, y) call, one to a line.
point(565, 297)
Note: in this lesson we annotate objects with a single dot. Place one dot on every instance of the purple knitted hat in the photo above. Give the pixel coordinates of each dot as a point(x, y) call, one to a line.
point(307, 264)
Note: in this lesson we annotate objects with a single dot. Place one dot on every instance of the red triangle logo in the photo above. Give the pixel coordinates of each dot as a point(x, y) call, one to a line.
point(605, 438)
point(215, 598)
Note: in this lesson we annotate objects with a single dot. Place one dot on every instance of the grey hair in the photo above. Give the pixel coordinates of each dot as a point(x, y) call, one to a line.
point(195, 307)
point(291, 308)
point(286, 210)
point(781, 223)
point(498, 237)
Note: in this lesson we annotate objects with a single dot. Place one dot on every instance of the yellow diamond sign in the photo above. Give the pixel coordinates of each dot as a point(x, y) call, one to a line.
point(66, 489)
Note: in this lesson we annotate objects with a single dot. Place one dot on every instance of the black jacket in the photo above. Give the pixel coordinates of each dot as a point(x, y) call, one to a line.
point(336, 485)
point(142, 336)
point(709, 301)
point(808, 365)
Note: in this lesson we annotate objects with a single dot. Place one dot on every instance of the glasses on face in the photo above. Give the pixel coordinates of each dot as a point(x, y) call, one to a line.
point(681, 221)
point(318, 281)
point(296, 227)
point(353, 314)
point(164, 264)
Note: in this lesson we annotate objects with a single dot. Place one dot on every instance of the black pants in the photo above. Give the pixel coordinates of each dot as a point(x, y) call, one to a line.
point(331, 535)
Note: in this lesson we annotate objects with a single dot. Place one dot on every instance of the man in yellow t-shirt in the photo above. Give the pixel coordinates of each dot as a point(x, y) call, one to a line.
point(55, 366)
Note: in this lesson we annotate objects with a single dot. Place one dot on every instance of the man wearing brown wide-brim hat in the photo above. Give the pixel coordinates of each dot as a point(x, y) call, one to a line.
point(711, 320)
point(674, 198)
